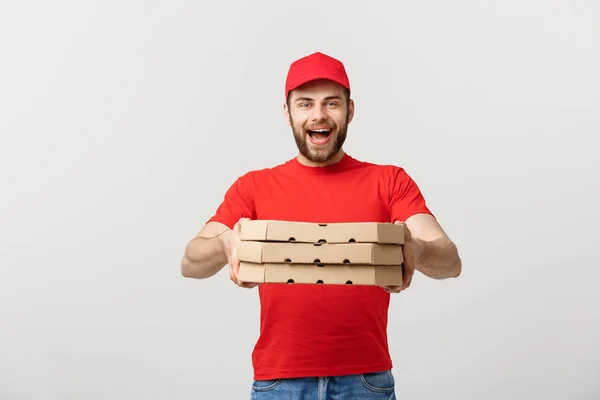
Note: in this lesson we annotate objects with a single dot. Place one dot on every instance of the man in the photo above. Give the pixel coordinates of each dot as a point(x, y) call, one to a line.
point(323, 341)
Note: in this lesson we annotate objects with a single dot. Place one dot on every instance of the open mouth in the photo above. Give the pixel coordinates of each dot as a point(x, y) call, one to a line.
point(319, 136)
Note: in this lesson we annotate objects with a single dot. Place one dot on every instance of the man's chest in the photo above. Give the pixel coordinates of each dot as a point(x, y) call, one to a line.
point(322, 200)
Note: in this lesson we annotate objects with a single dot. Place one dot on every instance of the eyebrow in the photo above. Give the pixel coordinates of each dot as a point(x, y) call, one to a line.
point(336, 97)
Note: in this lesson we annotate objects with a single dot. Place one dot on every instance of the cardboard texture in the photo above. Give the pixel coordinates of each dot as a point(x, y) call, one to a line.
point(330, 253)
point(334, 274)
point(381, 275)
point(308, 232)
point(320, 253)
point(251, 272)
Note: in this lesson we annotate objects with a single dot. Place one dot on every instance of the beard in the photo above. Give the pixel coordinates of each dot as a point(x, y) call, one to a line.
point(320, 154)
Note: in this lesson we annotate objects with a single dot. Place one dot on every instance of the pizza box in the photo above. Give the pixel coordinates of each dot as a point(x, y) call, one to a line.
point(320, 253)
point(328, 274)
point(314, 232)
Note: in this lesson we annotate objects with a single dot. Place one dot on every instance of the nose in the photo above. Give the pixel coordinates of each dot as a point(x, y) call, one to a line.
point(319, 113)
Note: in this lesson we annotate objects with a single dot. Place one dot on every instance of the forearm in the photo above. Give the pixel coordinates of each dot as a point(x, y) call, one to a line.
point(438, 259)
point(203, 258)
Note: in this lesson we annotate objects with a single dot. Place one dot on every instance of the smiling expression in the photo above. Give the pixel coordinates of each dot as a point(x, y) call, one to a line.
point(319, 113)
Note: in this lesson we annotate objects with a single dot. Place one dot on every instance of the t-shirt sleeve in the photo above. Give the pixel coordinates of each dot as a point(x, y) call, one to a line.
point(406, 198)
point(237, 203)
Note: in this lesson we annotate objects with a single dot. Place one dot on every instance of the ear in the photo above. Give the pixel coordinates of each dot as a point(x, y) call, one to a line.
point(350, 110)
point(286, 114)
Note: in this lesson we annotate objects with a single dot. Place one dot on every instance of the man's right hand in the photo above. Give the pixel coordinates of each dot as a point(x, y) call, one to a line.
point(230, 240)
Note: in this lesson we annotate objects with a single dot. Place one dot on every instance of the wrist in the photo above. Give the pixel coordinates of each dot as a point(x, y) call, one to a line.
point(419, 249)
point(223, 241)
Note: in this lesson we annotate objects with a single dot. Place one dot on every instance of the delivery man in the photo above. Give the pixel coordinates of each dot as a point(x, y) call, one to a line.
point(318, 341)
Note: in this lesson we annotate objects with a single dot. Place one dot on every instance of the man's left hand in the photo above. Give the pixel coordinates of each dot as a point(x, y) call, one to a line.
point(408, 267)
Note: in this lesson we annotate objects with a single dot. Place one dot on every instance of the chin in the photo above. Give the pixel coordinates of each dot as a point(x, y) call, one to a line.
point(320, 156)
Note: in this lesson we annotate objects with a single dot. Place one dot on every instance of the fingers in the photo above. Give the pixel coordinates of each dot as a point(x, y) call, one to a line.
point(407, 274)
point(232, 275)
point(407, 271)
point(393, 289)
point(234, 269)
point(398, 289)
point(407, 279)
point(245, 285)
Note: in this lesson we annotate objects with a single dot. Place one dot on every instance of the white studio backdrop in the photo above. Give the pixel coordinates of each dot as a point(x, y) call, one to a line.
point(122, 124)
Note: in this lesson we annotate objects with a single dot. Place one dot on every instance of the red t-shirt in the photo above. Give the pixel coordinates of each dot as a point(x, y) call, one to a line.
point(322, 330)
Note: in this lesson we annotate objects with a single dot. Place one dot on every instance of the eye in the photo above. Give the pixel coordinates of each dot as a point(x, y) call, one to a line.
point(332, 104)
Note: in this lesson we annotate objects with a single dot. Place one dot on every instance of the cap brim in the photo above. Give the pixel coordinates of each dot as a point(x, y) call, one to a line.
point(303, 81)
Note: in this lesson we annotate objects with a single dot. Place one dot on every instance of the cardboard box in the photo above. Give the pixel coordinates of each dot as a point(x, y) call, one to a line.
point(251, 272)
point(308, 232)
point(320, 253)
point(362, 253)
point(380, 275)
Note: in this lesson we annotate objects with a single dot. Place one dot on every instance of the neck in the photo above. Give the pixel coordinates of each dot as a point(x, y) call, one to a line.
point(334, 160)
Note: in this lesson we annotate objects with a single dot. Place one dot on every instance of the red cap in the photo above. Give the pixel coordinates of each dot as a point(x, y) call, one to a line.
point(315, 66)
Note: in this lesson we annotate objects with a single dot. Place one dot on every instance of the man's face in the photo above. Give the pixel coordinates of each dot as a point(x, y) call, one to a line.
point(319, 114)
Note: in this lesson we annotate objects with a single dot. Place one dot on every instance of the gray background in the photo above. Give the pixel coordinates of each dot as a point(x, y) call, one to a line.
point(123, 123)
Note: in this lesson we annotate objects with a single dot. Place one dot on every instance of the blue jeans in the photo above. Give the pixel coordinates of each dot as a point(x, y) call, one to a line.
point(370, 386)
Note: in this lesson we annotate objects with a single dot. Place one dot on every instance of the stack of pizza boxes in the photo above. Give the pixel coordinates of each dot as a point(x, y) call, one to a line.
point(361, 253)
